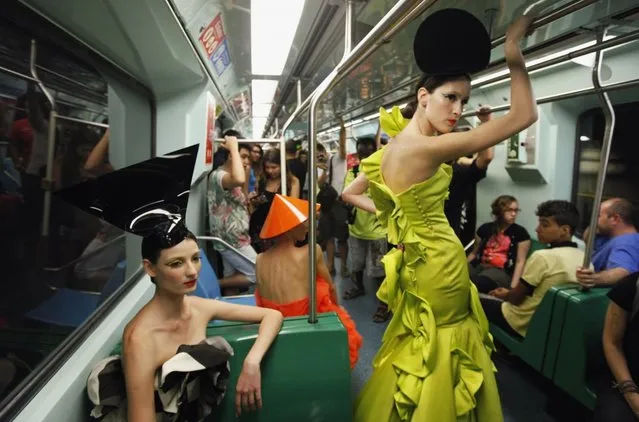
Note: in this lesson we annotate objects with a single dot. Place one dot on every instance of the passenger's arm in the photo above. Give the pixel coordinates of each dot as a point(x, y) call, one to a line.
point(354, 194)
point(270, 322)
point(588, 278)
point(98, 153)
point(249, 388)
point(471, 257)
point(522, 254)
point(522, 113)
point(295, 187)
point(323, 272)
point(342, 139)
point(237, 175)
point(613, 335)
point(515, 295)
point(139, 375)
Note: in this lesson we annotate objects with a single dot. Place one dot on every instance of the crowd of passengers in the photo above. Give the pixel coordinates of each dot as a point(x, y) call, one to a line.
point(512, 280)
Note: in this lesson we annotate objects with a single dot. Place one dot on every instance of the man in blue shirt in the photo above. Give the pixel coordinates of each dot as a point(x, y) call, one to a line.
point(618, 254)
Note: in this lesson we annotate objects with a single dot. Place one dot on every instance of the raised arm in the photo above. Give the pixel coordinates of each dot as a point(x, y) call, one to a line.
point(522, 113)
point(354, 194)
point(237, 176)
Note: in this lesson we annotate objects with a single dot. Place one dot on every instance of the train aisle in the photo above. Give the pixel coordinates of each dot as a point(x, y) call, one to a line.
point(523, 399)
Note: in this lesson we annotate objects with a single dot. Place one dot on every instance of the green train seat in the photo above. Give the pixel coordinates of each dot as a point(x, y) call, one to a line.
point(533, 349)
point(580, 354)
point(306, 374)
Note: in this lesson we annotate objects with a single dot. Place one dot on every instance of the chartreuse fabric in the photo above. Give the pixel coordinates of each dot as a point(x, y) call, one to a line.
point(434, 362)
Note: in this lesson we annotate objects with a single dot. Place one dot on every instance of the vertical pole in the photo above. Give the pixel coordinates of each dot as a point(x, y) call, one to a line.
point(283, 166)
point(51, 141)
point(609, 114)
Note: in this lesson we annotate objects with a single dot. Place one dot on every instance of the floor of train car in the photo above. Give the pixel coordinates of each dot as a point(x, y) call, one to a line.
point(524, 394)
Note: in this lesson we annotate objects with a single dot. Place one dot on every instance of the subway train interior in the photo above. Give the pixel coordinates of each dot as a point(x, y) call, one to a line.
point(87, 88)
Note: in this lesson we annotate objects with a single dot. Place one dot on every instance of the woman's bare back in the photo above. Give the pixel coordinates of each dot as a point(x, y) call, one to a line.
point(282, 274)
point(399, 168)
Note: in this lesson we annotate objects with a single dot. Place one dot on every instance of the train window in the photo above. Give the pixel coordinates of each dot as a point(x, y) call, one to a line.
point(59, 263)
point(622, 171)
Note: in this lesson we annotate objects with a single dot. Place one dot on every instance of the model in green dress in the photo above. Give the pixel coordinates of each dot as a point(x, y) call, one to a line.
point(434, 363)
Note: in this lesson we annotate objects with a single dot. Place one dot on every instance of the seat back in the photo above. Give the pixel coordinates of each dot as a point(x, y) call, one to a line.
point(305, 374)
point(580, 353)
point(536, 245)
point(208, 285)
point(116, 279)
point(533, 349)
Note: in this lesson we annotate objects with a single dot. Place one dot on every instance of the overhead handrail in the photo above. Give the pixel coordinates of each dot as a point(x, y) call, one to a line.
point(537, 23)
point(348, 46)
point(609, 114)
point(552, 16)
point(395, 20)
point(282, 143)
point(86, 255)
point(85, 122)
point(603, 45)
point(228, 246)
point(567, 95)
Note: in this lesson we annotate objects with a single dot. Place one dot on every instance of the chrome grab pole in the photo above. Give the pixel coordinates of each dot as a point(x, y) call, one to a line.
point(609, 114)
point(348, 45)
point(396, 19)
point(46, 212)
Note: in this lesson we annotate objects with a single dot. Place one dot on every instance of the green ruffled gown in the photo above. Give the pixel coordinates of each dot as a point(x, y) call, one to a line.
point(434, 363)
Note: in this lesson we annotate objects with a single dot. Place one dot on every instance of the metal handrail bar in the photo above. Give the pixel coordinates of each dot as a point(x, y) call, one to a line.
point(395, 20)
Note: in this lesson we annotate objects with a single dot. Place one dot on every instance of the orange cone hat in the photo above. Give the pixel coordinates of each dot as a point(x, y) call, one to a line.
point(285, 214)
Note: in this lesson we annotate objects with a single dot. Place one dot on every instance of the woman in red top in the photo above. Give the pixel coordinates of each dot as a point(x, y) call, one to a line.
point(282, 271)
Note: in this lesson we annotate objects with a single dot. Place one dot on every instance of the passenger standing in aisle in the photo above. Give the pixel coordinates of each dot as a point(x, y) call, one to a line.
point(333, 222)
point(228, 212)
point(367, 242)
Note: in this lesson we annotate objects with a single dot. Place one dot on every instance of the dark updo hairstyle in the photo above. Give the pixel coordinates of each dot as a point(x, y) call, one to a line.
point(430, 83)
point(159, 239)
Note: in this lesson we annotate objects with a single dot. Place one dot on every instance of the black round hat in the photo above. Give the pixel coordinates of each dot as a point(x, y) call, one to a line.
point(451, 41)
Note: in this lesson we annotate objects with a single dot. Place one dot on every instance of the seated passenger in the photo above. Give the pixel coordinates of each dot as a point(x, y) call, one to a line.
point(617, 248)
point(544, 269)
point(500, 250)
point(149, 199)
point(618, 395)
point(282, 271)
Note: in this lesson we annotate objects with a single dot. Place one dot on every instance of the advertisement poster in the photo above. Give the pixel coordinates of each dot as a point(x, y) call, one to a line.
point(213, 35)
point(221, 58)
point(210, 128)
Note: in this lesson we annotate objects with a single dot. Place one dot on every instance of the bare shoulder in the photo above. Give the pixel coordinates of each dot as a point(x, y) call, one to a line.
point(138, 339)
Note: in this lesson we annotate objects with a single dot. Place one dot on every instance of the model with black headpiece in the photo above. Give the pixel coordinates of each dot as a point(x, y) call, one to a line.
point(434, 363)
point(150, 199)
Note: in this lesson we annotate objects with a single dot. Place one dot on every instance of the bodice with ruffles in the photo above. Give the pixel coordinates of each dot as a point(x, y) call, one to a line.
point(436, 309)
